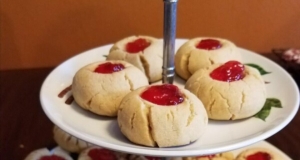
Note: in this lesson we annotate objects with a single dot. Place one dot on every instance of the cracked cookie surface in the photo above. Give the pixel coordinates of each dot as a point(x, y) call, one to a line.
point(229, 100)
point(102, 93)
point(69, 142)
point(149, 124)
point(189, 58)
point(148, 60)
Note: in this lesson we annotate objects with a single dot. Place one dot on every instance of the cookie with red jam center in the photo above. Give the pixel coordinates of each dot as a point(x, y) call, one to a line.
point(99, 87)
point(258, 154)
point(219, 156)
point(203, 52)
point(45, 154)
point(99, 153)
point(229, 91)
point(144, 52)
point(162, 116)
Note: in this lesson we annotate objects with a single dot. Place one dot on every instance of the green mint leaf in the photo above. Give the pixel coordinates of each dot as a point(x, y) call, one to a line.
point(263, 113)
point(274, 102)
point(266, 110)
point(105, 56)
point(259, 68)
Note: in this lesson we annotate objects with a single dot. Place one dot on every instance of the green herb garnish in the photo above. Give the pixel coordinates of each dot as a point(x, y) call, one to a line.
point(259, 68)
point(265, 111)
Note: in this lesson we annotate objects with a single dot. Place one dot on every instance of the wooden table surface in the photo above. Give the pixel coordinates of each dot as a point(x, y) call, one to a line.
point(24, 126)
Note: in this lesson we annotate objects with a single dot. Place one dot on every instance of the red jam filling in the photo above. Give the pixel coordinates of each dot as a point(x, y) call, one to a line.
point(101, 154)
point(209, 44)
point(165, 94)
point(108, 67)
point(52, 157)
point(228, 72)
point(137, 45)
point(259, 156)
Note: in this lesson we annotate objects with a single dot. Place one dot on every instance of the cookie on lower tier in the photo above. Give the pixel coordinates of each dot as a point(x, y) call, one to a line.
point(257, 154)
point(99, 153)
point(219, 156)
point(140, 157)
point(44, 153)
point(69, 142)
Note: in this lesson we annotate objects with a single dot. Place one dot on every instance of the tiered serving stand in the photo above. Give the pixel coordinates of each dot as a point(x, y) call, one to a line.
point(219, 137)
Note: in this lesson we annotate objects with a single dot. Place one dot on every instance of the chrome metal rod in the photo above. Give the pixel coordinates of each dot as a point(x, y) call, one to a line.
point(170, 9)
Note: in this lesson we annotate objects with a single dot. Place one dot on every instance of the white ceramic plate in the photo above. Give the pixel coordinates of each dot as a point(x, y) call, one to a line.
point(219, 136)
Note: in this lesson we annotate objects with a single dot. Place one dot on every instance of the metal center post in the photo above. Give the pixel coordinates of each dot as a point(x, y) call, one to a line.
point(170, 11)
